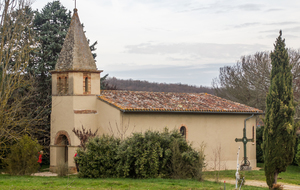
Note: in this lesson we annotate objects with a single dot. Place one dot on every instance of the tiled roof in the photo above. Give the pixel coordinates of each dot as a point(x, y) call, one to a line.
point(137, 101)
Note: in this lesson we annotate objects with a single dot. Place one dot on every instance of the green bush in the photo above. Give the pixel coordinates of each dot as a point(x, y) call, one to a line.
point(298, 155)
point(99, 160)
point(297, 152)
point(147, 155)
point(22, 160)
point(259, 140)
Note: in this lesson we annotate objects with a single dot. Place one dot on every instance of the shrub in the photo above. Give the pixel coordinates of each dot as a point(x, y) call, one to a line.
point(277, 187)
point(62, 169)
point(99, 159)
point(148, 155)
point(22, 160)
point(298, 155)
point(155, 154)
point(242, 180)
point(296, 160)
point(259, 140)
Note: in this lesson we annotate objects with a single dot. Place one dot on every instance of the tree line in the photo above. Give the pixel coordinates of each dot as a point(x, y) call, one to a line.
point(138, 85)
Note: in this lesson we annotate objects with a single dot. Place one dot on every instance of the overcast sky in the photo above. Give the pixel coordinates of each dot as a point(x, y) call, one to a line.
point(182, 41)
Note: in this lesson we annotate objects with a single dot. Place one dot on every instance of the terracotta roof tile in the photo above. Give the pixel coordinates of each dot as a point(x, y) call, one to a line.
point(170, 101)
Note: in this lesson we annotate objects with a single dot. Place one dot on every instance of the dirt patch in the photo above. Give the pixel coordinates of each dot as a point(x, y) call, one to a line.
point(44, 174)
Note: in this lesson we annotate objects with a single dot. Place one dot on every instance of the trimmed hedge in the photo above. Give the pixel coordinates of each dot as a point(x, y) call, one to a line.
point(148, 155)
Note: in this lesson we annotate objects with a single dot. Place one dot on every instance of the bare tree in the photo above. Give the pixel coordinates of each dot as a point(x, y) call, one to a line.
point(120, 132)
point(84, 135)
point(248, 81)
point(16, 88)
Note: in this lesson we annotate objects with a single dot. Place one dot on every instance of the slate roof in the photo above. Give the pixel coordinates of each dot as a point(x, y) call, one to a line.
point(139, 101)
point(75, 54)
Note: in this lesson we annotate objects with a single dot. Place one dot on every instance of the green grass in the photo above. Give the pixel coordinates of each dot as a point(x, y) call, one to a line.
point(291, 176)
point(72, 182)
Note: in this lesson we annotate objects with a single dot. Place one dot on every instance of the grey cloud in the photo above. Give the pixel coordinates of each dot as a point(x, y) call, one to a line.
point(282, 23)
point(197, 50)
point(178, 59)
point(221, 8)
point(246, 25)
point(274, 10)
point(270, 31)
point(292, 29)
point(250, 7)
point(194, 9)
point(284, 36)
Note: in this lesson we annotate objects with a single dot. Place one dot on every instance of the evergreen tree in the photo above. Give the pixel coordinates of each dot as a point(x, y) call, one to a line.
point(51, 27)
point(280, 131)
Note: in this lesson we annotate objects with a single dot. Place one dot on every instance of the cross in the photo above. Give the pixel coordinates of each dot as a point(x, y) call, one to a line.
point(75, 4)
point(245, 140)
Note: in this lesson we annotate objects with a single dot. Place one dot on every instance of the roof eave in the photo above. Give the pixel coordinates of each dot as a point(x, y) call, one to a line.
point(75, 71)
point(180, 111)
point(195, 112)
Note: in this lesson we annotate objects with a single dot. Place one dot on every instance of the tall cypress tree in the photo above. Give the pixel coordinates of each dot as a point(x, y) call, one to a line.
point(280, 131)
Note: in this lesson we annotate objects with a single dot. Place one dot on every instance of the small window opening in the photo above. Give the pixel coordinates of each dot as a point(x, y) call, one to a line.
point(66, 85)
point(183, 131)
point(59, 85)
point(86, 84)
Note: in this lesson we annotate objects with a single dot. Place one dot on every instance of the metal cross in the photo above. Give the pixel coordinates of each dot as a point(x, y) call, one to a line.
point(245, 140)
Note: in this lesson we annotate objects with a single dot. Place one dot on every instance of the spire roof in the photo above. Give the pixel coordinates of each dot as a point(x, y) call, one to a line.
point(75, 54)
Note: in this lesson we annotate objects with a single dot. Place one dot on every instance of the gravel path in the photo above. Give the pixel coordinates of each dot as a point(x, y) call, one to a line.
point(261, 184)
point(44, 174)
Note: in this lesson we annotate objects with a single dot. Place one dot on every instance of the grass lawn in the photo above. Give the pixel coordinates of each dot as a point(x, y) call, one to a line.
point(292, 175)
point(72, 182)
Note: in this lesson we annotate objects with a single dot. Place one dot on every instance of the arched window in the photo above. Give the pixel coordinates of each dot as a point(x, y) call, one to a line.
point(183, 131)
point(86, 82)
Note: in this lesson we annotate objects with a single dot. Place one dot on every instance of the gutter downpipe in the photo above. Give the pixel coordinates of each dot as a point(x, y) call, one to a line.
point(245, 139)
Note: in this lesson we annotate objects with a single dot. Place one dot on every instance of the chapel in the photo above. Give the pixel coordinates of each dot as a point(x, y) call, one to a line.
point(201, 118)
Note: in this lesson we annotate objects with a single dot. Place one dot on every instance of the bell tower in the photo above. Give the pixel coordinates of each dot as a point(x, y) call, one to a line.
point(75, 84)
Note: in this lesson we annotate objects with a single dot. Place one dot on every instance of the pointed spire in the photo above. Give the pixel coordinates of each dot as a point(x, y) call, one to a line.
point(75, 54)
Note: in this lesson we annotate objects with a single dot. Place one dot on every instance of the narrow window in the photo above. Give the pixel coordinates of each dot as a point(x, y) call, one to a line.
point(66, 85)
point(183, 131)
point(86, 84)
point(59, 85)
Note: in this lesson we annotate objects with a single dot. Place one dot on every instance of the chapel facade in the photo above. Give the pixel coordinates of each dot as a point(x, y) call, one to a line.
point(199, 117)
